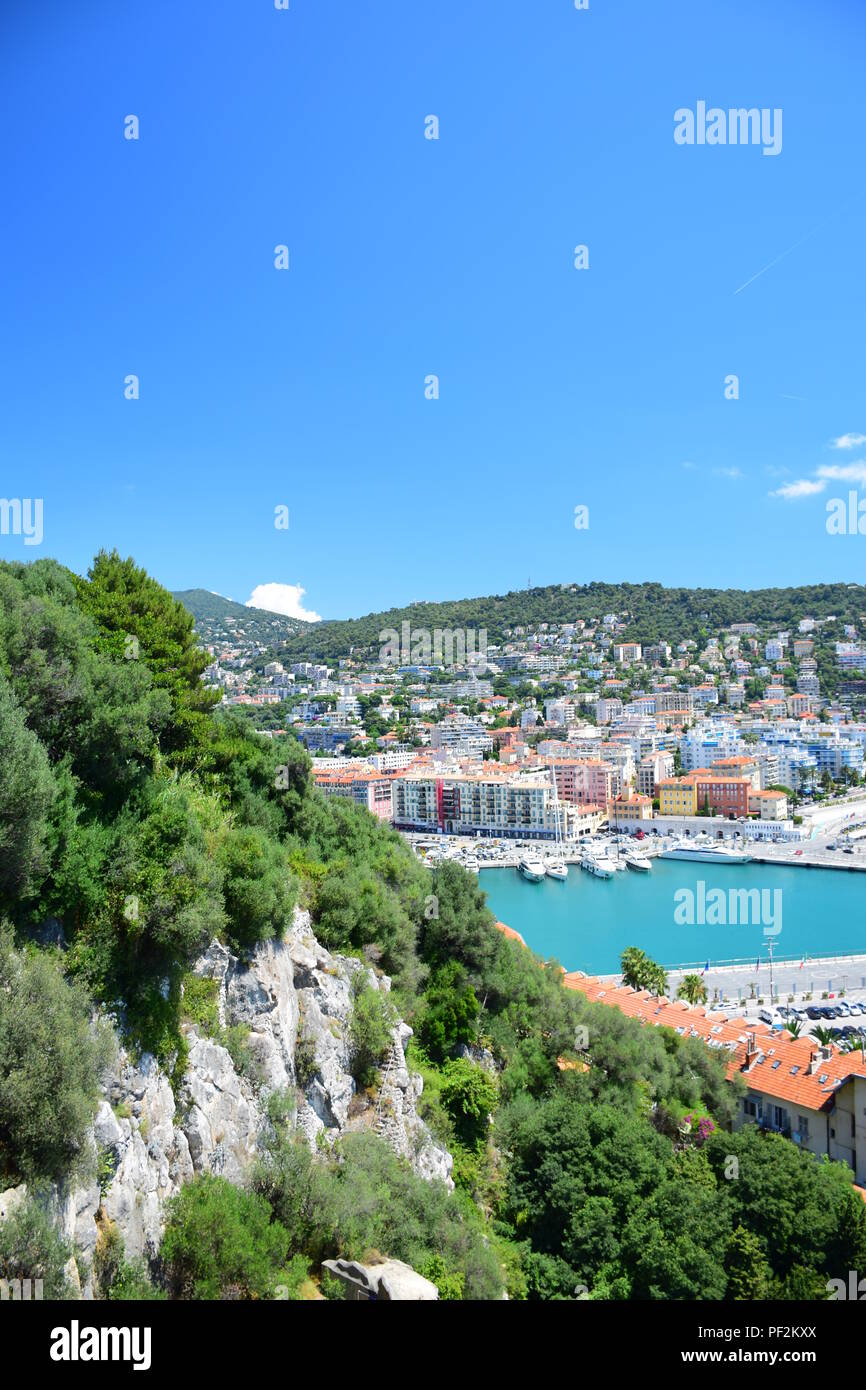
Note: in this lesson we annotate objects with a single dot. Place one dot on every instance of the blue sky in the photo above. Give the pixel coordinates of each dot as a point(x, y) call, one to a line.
point(409, 257)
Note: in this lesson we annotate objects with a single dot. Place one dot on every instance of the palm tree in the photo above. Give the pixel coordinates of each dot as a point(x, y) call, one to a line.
point(794, 1026)
point(642, 973)
point(692, 989)
point(822, 1035)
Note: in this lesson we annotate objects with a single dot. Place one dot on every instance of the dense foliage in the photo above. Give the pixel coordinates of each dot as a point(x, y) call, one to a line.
point(50, 1062)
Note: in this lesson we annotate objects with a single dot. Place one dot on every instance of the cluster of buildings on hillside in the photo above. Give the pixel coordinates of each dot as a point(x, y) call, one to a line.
point(640, 736)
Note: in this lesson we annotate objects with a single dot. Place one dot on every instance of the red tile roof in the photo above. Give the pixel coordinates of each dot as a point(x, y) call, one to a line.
point(779, 1066)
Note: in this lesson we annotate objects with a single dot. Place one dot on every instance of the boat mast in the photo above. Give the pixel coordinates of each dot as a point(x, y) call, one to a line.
point(556, 826)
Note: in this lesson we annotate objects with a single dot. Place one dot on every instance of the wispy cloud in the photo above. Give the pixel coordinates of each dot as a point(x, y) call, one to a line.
point(777, 259)
point(848, 441)
point(728, 473)
point(847, 472)
point(687, 463)
point(803, 487)
point(282, 598)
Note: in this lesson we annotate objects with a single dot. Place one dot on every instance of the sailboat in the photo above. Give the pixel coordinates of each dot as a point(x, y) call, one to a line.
point(556, 867)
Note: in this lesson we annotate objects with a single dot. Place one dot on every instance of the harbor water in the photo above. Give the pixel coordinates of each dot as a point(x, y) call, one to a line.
point(586, 922)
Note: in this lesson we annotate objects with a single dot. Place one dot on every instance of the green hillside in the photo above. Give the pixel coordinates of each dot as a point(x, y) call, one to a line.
point(221, 619)
point(655, 612)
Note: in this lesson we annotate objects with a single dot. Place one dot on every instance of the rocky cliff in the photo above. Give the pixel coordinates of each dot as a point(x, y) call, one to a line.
point(295, 998)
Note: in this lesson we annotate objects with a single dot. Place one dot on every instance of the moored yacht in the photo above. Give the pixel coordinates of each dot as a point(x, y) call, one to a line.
point(707, 853)
point(530, 868)
point(639, 862)
point(556, 868)
point(599, 865)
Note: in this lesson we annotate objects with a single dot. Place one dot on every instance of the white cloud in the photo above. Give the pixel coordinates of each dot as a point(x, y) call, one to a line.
point(847, 472)
point(804, 487)
point(687, 463)
point(848, 441)
point(728, 472)
point(282, 598)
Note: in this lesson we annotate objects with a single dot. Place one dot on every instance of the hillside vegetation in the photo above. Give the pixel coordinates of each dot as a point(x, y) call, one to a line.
point(219, 619)
point(655, 612)
point(137, 824)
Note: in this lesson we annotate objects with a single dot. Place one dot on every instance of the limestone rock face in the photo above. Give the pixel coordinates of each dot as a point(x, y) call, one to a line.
point(295, 1000)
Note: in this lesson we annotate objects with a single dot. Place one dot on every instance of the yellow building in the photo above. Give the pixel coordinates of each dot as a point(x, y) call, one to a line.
point(677, 798)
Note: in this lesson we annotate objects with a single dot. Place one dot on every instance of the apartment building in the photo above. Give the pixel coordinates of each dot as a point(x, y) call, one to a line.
point(652, 769)
point(624, 653)
point(587, 782)
point(608, 709)
point(725, 794)
point(491, 801)
point(362, 785)
point(459, 733)
point(677, 796)
point(741, 766)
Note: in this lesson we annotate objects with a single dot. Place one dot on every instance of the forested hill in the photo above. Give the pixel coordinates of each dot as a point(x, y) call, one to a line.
point(219, 619)
point(655, 612)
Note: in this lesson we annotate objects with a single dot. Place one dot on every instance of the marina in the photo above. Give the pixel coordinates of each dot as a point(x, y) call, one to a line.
point(587, 921)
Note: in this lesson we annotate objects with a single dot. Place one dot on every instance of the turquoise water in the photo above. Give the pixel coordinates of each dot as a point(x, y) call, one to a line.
point(587, 922)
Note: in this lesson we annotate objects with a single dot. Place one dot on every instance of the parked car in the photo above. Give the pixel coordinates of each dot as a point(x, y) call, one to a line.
point(814, 1012)
point(770, 1016)
point(843, 1009)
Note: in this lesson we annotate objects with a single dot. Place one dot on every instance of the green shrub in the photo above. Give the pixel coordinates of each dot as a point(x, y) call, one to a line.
point(470, 1097)
point(116, 1277)
point(236, 1040)
point(369, 1030)
point(30, 1248)
point(51, 1058)
point(450, 1012)
point(200, 1003)
point(220, 1243)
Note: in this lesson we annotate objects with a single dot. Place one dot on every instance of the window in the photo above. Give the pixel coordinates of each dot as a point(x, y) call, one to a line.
point(803, 1127)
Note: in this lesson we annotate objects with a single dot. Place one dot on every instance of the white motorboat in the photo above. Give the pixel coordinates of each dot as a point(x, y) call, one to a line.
point(556, 868)
point(471, 864)
point(598, 865)
point(706, 853)
point(531, 869)
point(638, 862)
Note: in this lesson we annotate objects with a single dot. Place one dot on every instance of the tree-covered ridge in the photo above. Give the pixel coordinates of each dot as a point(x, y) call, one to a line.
point(221, 619)
point(137, 823)
point(655, 613)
